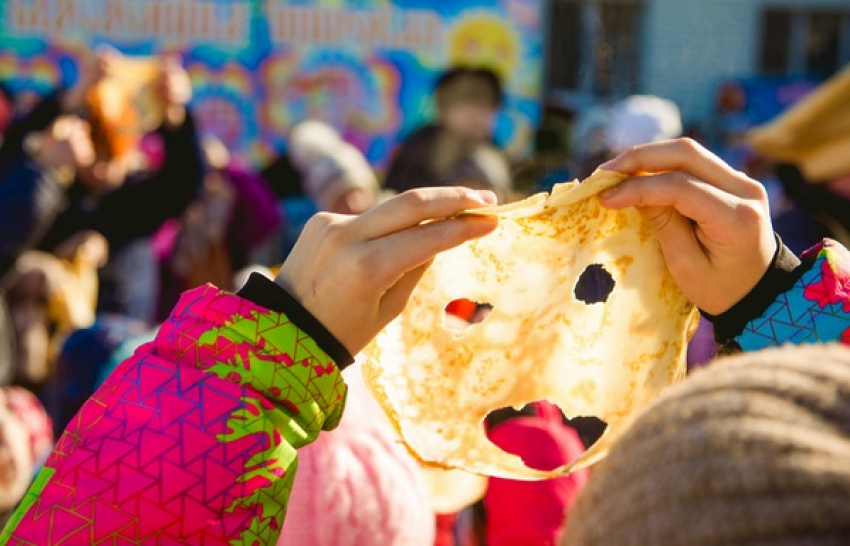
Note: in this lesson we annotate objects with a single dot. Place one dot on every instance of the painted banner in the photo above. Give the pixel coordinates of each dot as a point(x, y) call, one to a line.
point(365, 66)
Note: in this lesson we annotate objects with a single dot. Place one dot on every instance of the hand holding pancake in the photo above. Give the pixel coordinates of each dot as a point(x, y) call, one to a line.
point(356, 273)
point(712, 221)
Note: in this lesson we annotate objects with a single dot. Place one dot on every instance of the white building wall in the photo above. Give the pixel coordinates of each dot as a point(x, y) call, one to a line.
point(692, 45)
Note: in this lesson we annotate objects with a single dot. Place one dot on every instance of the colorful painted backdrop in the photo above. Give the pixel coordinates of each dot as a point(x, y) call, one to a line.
point(365, 66)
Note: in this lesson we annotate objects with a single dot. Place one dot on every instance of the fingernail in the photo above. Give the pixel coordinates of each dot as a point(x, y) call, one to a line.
point(486, 196)
point(609, 165)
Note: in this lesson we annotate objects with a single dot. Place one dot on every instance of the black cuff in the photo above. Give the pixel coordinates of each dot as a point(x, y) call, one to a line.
point(270, 295)
point(785, 269)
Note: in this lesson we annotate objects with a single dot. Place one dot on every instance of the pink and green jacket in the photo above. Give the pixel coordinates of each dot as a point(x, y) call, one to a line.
point(193, 440)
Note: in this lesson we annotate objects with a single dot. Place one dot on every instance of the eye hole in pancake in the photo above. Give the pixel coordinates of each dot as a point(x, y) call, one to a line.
point(588, 429)
point(462, 313)
point(594, 285)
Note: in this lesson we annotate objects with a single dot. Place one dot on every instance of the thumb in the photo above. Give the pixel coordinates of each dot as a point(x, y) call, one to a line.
point(396, 298)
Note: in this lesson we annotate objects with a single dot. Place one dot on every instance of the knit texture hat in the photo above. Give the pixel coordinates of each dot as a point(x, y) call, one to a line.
point(342, 169)
point(641, 119)
point(356, 485)
point(329, 166)
point(310, 140)
point(752, 450)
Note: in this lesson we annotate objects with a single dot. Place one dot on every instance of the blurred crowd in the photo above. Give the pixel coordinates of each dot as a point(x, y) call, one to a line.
point(106, 218)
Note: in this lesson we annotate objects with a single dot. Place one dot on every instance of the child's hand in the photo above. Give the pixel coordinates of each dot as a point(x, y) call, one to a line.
point(356, 273)
point(712, 221)
point(66, 144)
point(175, 90)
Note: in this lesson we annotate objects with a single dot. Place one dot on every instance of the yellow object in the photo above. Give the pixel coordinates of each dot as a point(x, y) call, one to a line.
point(437, 384)
point(814, 134)
point(484, 40)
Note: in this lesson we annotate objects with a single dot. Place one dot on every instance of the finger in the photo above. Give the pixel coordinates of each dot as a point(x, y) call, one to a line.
point(684, 155)
point(394, 255)
point(398, 295)
point(712, 209)
point(416, 206)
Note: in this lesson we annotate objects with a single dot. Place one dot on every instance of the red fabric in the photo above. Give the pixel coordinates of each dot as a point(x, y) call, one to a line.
point(524, 513)
point(445, 530)
point(462, 308)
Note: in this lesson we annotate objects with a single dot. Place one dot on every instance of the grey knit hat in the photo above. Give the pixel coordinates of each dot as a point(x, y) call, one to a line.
point(754, 450)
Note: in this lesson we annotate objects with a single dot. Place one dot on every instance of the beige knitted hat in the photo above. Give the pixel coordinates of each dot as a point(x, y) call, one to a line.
point(753, 450)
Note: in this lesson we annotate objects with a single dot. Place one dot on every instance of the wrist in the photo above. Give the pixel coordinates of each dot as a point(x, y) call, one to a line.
point(784, 270)
point(274, 296)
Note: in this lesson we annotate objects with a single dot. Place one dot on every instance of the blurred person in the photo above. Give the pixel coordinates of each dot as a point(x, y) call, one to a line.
point(234, 214)
point(49, 296)
point(26, 439)
point(33, 186)
point(106, 193)
point(466, 101)
point(89, 355)
point(751, 450)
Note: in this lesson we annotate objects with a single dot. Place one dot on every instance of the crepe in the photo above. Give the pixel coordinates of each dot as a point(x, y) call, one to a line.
point(438, 383)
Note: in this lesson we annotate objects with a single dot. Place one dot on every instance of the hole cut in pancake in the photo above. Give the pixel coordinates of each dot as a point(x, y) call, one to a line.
point(463, 313)
point(540, 434)
point(539, 342)
point(594, 285)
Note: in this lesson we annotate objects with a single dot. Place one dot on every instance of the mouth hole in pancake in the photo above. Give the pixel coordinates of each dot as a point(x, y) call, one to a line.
point(462, 313)
point(589, 428)
point(594, 285)
point(540, 419)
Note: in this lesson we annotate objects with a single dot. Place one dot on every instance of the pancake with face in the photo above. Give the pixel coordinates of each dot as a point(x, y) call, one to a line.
point(437, 383)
